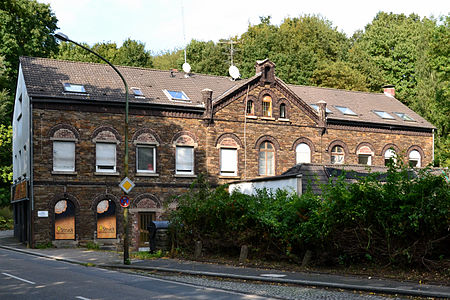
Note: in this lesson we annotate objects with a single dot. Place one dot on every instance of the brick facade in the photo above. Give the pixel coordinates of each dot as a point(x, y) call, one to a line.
point(221, 123)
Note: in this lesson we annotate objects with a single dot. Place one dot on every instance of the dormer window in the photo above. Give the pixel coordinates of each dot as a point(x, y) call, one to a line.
point(383, 114)
point(137, 92)
point(346, 111)
point(74, 88)
point(176, 95)
point(404, 117)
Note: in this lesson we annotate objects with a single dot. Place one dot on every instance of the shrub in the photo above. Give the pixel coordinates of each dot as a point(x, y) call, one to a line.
point(405, 219)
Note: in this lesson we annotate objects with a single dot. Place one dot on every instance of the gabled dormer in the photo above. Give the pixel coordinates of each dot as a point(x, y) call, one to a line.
point(267, 70)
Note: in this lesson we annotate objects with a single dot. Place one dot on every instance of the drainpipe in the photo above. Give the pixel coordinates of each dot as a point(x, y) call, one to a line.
point(30, 166)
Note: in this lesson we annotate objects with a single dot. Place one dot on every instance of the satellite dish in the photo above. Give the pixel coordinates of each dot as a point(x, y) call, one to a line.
point(234, 72)
point(186, 67)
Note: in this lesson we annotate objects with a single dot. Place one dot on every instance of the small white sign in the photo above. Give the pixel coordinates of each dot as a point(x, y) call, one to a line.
point(42, 214)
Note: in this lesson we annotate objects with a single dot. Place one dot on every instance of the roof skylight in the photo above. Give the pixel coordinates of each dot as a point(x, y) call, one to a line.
point(316, 107)
point(137, 92)
point(74, 88)
point(176, 95)
point(383, 114)
point(404, 117)
point(345, 110)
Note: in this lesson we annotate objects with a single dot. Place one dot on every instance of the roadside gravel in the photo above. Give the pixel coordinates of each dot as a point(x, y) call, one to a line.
point(275, 291)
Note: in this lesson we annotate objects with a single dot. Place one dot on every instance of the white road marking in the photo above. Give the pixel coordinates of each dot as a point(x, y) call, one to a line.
point(18, 278)
point(82, 298)
point(273, 275)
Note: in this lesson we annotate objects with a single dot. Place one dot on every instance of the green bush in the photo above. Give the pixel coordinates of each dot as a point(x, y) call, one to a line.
point(6, 223)
point(405, 219)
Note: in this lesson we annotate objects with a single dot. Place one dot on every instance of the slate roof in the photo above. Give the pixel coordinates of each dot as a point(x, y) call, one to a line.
point(362, 103)
point(45, 78)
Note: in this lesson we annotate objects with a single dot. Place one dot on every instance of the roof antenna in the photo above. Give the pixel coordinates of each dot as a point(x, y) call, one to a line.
point(186, 66)
point(233, 70)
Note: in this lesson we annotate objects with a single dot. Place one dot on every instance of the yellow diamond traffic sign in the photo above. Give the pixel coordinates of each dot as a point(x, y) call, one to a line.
point(126, 185)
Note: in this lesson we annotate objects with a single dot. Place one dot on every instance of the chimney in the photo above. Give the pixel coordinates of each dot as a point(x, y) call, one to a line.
point(207, 99)
point(172, 72)
point(389, 90)
point(322, 105)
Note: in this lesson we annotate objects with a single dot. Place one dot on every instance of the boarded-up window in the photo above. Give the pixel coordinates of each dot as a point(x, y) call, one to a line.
point(64, 220)
point(106, 220)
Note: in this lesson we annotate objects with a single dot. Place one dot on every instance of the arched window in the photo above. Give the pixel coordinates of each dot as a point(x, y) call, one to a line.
point(414, 159)
point(364, 155)
point(283, 111)
point(250, 110)
point(267, 106)
point(64, 220)
point(337, 155)
point(303, 153)
point(106, 220)
point(266, 159)
point(388, 155)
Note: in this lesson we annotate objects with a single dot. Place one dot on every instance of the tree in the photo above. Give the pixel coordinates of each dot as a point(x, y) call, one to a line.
point(5, 146)
point(167, 60)
point(339, 75)
point(390, 45)
point(206, 58)
point(131, 53)
point(26, 29)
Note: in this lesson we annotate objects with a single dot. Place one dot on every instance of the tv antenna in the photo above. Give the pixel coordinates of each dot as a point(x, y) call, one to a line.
point(186, 65)
point(233, 70)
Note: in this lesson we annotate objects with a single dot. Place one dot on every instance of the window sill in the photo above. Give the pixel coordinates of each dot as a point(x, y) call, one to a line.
point(251, 117)
point(229, 177)
point(142, 174)
point(106, 173)
point(64, 173)
point(283, 120)
point(185, 175)
point(268, 118)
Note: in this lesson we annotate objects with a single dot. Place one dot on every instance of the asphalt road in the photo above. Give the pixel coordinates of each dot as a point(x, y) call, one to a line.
point(29, 277)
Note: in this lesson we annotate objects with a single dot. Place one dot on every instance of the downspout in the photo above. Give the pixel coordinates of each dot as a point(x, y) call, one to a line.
point(245, 133)
point(31, 164)
point(432, 152)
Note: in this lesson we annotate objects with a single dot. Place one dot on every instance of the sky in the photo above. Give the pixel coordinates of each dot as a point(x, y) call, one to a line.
point(170, 24)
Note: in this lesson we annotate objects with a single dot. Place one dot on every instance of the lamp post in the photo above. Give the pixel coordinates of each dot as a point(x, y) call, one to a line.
point(65, 38)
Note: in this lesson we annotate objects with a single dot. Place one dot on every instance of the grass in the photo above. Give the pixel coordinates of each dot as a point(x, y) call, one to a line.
point(148, 255)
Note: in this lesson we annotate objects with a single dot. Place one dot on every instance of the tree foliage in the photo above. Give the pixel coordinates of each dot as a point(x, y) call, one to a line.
point(26, 28)
point(131, 53)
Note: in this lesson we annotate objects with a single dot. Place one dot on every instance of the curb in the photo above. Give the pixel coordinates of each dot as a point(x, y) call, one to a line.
point(377, 289)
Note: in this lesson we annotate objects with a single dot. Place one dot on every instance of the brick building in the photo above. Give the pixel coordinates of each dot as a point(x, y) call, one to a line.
point(68, 143)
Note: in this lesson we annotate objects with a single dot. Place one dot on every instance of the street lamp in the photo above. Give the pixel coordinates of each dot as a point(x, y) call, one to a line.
point(65, 38)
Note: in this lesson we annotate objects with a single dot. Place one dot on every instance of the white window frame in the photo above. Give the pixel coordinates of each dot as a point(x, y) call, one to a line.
point(389, 153)
point(153, 147)
point(178, 166)
point(417, 158)
point(228, 168)
point(298, 153)
point(55, 167)
point(99, 169)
